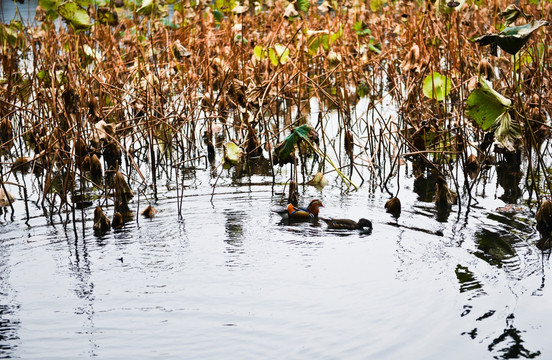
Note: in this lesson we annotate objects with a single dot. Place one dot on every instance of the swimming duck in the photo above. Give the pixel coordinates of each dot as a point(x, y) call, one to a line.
point(348, 224)
point(311, 212)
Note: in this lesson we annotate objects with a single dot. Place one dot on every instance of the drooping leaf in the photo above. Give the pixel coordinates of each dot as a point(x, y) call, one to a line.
point(436, 86)
point(6, 198)
point(511, 14)
point(238, 38)
point(290, 13)
point(325, 41)
point(151, 7)
point(232, 155)
point(75, 15)
point(319, 180)
point(507, 132)
point(283, 53)
point(301, 132)
point(512, 39)
point(485, 105)
point(377, 5)
point(240, 9)
point(375, 47)
point(522, 60)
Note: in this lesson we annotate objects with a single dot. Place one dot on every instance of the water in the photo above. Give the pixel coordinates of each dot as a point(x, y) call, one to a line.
point(230, 280)
point(11, 9)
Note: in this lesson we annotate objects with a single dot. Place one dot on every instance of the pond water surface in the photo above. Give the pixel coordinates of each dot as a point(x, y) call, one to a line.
point(230, 280)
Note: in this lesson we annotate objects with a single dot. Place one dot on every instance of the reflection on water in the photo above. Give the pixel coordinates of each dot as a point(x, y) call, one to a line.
point(509, 345)
point(493, 247)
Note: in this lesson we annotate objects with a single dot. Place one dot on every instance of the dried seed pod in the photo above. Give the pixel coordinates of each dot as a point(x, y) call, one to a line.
point(70, 101)
point(484, 68)
point(349, 144)
point(118, 221)
point(95, 167)
point(472, 164)
point(85, 164)
point(149, 212)
point(412, 59)
point(210, 151)
point(443, 195)
point(6, 133)
point(123, 193)
point(81, 149)
point(544, 218)
point(101, 222)
point(112, 155)
point(393, 206)
point(293, 197)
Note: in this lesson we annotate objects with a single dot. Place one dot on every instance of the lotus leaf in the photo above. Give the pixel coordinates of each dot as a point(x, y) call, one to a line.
point(512, 39)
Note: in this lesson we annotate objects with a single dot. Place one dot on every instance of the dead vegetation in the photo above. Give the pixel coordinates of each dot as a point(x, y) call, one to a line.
point(118, 96)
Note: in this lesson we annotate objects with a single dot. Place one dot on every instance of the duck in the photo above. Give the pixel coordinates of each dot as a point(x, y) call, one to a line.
point(348, 224)
point(311, 212)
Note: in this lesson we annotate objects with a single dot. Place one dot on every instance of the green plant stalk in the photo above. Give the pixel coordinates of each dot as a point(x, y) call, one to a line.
point(348, 182)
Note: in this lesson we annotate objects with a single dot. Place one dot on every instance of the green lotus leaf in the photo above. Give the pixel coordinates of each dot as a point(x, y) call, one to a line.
point(512, 39)
point(290, 142)
point(485, 105)
point(75, 15)
point(436, 86)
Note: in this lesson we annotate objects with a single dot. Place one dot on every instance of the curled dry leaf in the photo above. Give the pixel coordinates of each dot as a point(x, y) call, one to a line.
point(319, 180)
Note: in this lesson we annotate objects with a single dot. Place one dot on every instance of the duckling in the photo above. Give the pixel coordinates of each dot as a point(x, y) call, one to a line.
point(348, 224)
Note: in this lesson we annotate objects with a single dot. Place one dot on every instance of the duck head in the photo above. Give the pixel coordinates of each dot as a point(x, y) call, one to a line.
point(364, 223)
point(314, 207)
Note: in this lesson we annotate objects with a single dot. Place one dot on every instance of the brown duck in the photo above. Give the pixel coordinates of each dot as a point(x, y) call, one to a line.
point(348, 224)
